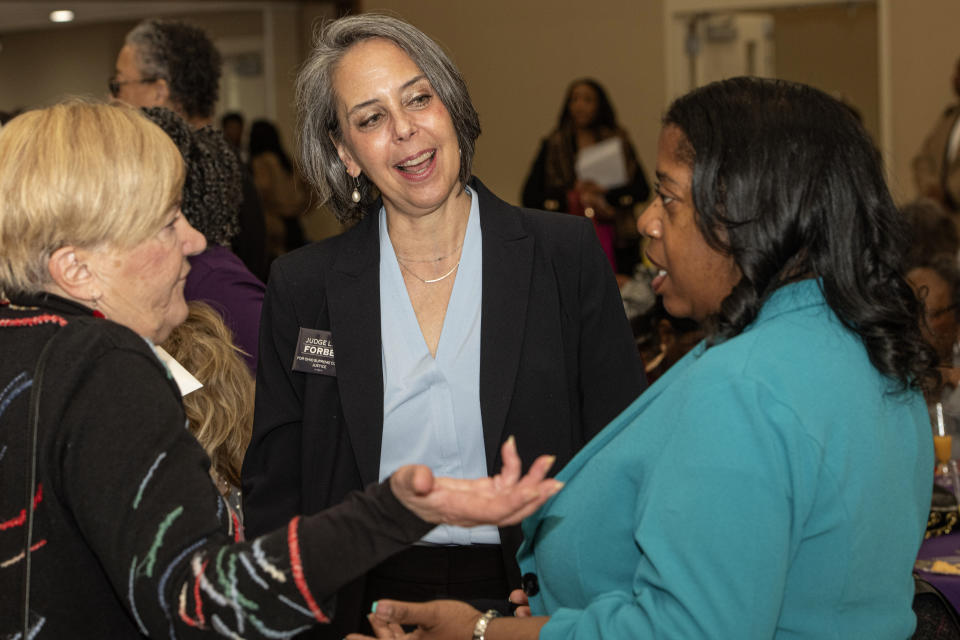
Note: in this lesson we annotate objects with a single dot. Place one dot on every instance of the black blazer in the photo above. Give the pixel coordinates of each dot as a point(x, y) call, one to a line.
point(557, 361)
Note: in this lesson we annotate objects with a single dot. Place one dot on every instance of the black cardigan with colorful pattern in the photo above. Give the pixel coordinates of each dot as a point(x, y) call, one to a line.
point(130, 536)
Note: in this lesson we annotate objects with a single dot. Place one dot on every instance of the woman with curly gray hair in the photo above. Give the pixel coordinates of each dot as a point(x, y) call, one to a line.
point(445, 321)
point(170, 63)
point(210, 198)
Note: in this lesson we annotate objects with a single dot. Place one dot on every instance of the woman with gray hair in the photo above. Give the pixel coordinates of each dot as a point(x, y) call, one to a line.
point(169, 63)
point(443, 322)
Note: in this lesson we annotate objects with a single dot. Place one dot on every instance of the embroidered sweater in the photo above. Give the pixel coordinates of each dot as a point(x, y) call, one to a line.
point(130, 536)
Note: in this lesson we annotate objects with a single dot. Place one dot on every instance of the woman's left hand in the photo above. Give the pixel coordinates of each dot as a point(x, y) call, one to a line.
point(444, 620)
point(436, 620)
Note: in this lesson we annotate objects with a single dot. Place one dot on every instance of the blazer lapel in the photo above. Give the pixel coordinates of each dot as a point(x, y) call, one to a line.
point(353, 291)
point(507, 265)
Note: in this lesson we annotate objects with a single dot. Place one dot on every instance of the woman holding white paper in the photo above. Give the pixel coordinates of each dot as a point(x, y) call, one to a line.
point(588, 167)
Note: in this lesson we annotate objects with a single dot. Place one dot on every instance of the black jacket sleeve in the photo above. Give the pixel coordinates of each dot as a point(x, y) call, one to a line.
point(271, 491)
point(611, 371)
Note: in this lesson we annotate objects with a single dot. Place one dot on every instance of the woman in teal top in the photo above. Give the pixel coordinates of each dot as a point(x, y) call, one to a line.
point(775, 483)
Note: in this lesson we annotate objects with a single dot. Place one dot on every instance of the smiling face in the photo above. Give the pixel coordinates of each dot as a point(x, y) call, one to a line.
point(395, 129)
point(583, 105)
point(142, 287)
point(693, 277)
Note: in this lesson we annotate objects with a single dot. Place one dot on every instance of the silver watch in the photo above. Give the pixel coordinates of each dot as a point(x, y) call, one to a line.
point(480, 629)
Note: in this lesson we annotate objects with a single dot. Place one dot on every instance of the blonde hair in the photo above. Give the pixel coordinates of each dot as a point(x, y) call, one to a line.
point(84, 174)
point(221, 413)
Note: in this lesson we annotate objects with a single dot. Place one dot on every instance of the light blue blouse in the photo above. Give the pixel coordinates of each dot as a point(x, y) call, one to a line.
point(431, 407)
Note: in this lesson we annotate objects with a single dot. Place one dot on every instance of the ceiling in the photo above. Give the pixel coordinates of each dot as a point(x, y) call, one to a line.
point(26, 16)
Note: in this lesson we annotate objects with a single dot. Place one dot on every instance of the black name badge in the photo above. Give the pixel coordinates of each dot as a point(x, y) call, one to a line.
point(314, 353)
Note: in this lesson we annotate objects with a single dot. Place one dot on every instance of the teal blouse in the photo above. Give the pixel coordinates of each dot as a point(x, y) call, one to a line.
point(772, 486)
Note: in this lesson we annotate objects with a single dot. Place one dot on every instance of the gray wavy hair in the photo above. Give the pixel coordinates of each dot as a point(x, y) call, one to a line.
point(185, 57)
point(317, 105)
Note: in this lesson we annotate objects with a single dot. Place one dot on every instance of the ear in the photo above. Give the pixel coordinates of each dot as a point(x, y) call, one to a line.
point(346, 157)
point(70, 274)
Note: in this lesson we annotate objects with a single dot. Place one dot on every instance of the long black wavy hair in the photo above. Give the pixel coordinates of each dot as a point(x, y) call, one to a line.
point(264, 137)
point(605, 118)
point(185, 57)
point(787, 182)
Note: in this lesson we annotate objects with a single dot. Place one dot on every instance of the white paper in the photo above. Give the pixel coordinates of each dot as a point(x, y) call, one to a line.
point(603, 163)
point(185, 381)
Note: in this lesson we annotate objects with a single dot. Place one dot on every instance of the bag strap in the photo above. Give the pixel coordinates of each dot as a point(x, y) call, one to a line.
point(33, 426)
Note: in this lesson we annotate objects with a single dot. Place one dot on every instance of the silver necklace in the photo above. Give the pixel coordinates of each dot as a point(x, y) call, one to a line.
point(432, 259)
point(443, 277)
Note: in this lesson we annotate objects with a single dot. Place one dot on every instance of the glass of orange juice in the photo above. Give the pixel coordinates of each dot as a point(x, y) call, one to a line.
point(942, 446)
point(942, 440)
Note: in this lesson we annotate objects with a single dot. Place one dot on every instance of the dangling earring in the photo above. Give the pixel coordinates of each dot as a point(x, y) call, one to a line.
point(96, 312)
point(355, 196)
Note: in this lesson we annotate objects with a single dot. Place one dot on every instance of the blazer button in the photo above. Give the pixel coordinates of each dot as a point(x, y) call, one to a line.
point(531, 586)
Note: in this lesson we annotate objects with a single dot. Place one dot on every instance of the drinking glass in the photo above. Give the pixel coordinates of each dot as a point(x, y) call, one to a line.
point(942, 440)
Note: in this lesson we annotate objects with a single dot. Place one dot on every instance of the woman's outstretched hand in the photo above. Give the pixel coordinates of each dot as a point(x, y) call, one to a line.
point(501, 500)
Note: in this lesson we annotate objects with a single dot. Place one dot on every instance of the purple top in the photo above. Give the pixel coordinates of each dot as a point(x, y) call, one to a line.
point(218, 277)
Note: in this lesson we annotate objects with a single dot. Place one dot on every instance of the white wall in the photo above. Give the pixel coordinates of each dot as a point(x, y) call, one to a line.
point(923, 51)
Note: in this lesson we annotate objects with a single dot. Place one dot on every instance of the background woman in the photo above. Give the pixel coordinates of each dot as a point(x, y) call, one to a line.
point(936, 281)
point(456, 319)
point(211, 196)
point(108, 519)
point(586, 118)
point(741, 494)
point(284, 196)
